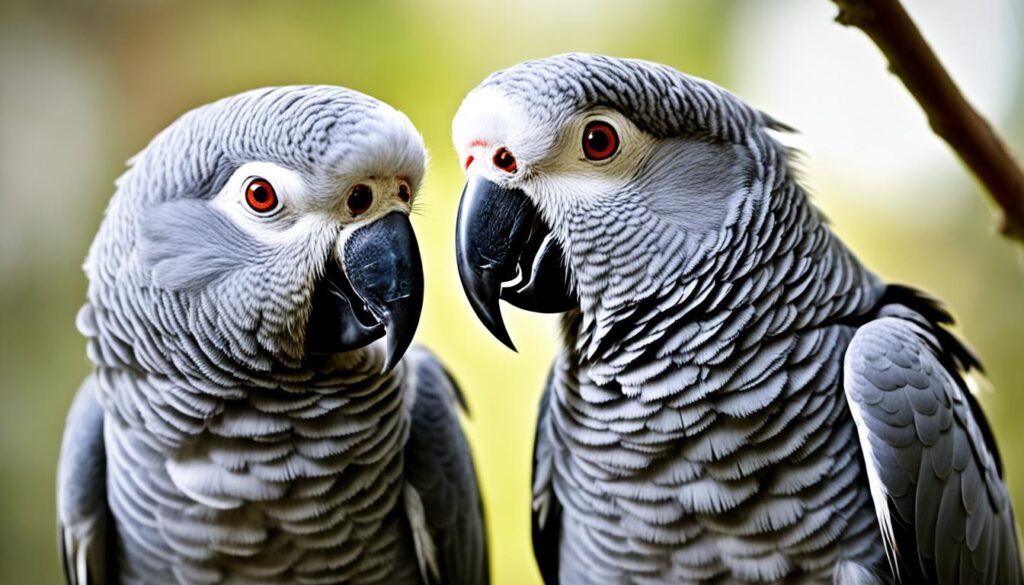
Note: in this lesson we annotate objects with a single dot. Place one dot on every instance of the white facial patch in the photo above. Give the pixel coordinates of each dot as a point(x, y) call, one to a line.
point(566, 176)
point(552, 167)
point(291, 192)
point(569, 156)
point(485, 121)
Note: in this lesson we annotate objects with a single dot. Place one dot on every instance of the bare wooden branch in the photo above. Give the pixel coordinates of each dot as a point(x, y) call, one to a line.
point(949, 114)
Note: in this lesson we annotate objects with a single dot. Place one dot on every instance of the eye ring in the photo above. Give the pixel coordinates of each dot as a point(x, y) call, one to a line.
point(359, 199)
point(504, 160)
point(260, 196)
point(600, 141)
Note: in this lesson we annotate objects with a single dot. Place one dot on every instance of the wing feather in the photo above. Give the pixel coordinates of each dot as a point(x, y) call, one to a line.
point(547, 510)
point(935, 478)
point(447, 516)
point(84, 525)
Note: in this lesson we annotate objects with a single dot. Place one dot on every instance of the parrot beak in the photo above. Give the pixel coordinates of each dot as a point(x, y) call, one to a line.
point(504, 250)
point(377, 290)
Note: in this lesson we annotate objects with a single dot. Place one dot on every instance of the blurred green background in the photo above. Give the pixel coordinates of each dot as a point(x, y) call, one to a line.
point(84, 85)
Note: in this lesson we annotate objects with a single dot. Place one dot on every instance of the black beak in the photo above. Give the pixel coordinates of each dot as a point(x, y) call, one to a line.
point(505, 251)
point(376, 290)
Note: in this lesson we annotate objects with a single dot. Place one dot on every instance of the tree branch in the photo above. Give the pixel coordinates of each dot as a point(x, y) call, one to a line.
point(949, 114)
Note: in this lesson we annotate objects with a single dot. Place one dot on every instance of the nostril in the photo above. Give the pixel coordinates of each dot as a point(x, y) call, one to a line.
point(504, 160)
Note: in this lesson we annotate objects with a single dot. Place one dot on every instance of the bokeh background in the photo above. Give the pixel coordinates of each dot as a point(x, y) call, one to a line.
point(84, 85)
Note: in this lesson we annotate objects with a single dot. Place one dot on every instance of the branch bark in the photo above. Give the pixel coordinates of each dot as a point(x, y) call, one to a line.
point(949, 114)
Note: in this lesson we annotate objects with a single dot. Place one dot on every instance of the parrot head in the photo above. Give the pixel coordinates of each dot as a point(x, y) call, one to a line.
point(266, 229)
point(594, 182)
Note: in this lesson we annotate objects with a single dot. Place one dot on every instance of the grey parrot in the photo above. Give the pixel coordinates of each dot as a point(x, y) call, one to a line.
point(737, 399)
point(250, 418)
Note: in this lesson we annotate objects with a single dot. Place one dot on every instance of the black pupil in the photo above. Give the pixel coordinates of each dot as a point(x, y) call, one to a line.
point(360, 198)
point(599, 139)
point(505, 159)
point(260, 193)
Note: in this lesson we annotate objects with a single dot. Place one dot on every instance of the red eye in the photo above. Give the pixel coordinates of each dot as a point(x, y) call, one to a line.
point(260, 195)
point(599, 141)
point(504, 160)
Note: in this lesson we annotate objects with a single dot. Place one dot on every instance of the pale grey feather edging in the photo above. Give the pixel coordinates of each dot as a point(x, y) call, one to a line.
point(697, 429)
point(83, 522)
point(935, 480)
point(232, 456)
point(701, 429)
point(656, 97)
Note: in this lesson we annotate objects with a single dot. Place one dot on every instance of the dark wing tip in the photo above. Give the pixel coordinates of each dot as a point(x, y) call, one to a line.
point(933, 310)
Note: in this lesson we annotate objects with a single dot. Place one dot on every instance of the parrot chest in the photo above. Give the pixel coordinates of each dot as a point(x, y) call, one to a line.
point(272, 489)
point(746, 469)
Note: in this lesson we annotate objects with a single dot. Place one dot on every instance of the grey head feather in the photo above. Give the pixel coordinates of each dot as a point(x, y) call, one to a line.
point(737, 397)
point(231, 455)
point(715, 173)
point(695, 429)
point(214, 296)
point(187, 246)
point(656, 97)
point(705, 201)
